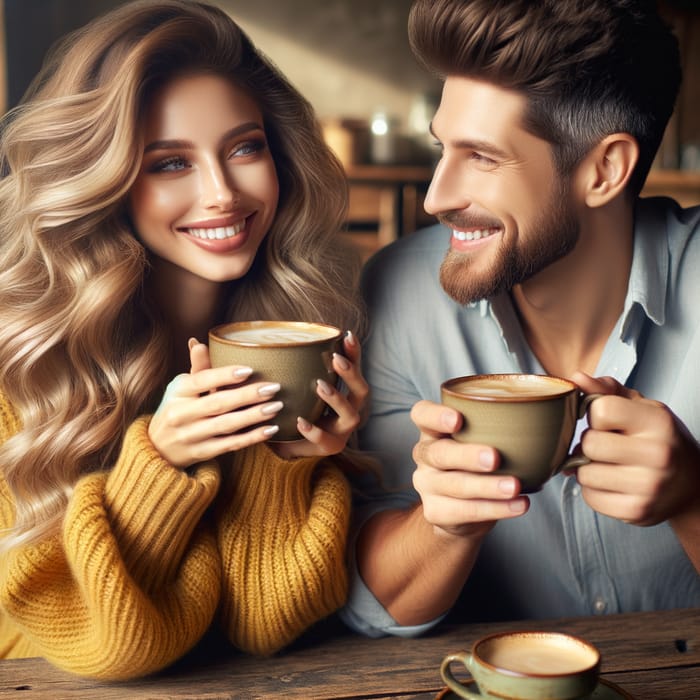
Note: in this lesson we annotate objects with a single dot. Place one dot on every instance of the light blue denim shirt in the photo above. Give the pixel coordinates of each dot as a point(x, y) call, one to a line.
point(561, 558)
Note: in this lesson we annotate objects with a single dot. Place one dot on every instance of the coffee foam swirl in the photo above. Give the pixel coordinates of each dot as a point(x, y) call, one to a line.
point(279, 335)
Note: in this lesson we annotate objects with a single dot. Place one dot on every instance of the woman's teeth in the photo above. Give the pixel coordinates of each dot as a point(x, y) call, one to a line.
point(473, 235)
point(218, 233)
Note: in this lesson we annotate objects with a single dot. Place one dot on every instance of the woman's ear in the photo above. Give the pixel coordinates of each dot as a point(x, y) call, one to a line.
point(607, 169)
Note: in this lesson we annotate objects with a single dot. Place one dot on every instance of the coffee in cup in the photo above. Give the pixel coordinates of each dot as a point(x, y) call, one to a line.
point(294, 354)
point(526, 666)
point(529, 418)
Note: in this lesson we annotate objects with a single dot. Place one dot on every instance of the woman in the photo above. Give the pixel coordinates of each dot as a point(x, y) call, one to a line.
point(162, 177)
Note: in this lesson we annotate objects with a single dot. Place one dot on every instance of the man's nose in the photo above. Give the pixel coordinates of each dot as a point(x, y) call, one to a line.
point(446, 191)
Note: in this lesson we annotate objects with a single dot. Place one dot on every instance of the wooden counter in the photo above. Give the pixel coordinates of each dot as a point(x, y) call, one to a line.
point(651, 656)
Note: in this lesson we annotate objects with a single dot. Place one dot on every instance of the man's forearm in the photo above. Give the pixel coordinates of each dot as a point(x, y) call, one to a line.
point(415, 570)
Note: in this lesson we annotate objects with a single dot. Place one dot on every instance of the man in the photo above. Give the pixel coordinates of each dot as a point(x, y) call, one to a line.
point(551, 114)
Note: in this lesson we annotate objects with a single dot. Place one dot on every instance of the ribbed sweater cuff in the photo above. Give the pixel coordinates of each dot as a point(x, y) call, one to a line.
point(283, 539)
point(154, 507)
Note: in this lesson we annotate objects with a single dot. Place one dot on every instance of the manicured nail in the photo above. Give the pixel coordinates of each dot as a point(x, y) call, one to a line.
point(272, 408)
point(324, 387)
point(268, 389)
point(303, 424)
point(350, 338)
point(342, 362)
point(271, 430)
point(192, 342)
point(242, 372)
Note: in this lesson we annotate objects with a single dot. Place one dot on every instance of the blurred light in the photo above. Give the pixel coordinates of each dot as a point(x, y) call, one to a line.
point(380, 124)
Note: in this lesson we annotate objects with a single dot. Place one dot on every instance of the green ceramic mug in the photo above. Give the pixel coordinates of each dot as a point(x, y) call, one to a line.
point(529, 418)
point(526, 666)
point(292, 353)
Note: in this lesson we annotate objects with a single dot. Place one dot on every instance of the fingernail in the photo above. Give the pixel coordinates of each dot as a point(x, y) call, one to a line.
point(350, 338)
point(507, 487)
point(272, 408)
point(342, 362)
point(487, 459)
point(449, 421)
point(271, 430)
point(303, 424)
point(324, 387)
point(517, 506)
point(192, 342)
point(242, 371)
point(268, 389)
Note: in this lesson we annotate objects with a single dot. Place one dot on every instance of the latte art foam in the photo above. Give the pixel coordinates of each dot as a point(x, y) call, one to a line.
point(504, 387)
point(280, 335)
point(544, 656)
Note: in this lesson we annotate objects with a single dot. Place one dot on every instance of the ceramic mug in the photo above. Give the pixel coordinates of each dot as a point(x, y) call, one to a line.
point(294, 354)
point(526, 666)
point(529, 418)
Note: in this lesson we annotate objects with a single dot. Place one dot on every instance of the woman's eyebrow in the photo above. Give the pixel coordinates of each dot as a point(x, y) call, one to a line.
point(174, 144)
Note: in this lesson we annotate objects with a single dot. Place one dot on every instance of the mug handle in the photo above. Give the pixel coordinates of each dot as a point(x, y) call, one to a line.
point(465, 658)
point(585, 401)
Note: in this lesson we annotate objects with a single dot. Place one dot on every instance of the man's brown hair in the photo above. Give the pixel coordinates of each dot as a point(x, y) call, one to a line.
point(588, 68)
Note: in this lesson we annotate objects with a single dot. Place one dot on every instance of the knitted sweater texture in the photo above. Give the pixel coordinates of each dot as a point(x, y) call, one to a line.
point(150, 556)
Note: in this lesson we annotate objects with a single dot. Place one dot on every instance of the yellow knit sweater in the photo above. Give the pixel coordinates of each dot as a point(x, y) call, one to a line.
point(150, 556)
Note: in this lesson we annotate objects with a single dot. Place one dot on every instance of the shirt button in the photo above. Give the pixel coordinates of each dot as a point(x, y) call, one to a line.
point(576, 490)
point(599, 606)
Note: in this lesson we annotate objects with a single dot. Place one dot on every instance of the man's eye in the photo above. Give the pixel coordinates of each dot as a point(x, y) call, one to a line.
point(169, 165)
point(482, 159)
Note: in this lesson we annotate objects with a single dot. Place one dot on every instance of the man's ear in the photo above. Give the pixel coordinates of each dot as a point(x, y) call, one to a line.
point(606, 170)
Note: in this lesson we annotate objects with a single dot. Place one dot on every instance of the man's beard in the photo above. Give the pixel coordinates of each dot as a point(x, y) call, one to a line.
point(549, 239)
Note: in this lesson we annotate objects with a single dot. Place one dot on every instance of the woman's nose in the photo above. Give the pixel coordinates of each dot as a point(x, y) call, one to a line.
point(217, 190)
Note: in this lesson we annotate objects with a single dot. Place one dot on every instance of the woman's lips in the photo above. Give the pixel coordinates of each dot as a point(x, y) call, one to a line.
point(219, 237)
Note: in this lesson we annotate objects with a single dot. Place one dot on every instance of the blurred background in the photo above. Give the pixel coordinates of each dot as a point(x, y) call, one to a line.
point(351, 59)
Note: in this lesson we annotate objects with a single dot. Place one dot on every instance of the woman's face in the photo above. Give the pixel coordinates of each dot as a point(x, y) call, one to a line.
point(207, 191)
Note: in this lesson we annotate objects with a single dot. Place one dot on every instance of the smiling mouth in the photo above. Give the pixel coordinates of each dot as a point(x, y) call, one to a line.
point(217, 233)
point(474, 234)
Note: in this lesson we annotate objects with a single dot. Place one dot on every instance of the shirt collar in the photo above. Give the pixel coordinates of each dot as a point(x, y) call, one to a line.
point(648, 282)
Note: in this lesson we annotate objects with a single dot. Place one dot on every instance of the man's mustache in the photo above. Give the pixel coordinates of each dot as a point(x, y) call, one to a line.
point(464, 220)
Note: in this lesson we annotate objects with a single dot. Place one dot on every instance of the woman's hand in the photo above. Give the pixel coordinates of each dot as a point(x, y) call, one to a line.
point(204, 414)
point(331, 433)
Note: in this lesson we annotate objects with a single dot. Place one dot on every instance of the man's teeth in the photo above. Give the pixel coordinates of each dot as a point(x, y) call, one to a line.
point(473, 235)
point(218, 233)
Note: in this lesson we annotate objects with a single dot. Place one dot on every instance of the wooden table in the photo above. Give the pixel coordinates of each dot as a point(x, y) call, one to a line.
point(653, 656)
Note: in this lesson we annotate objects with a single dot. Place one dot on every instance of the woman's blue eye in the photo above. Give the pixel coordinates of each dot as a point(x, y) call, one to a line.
point(169, 165)
point(248, 147)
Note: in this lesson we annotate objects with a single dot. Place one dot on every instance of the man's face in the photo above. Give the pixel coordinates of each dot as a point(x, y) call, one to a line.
point(496, 187)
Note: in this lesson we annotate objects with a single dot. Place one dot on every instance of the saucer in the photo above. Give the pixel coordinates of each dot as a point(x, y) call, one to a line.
point(605, 690)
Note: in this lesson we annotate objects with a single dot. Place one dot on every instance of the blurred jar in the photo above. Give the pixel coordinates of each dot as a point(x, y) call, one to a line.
point(347, 138)
point(382, 148)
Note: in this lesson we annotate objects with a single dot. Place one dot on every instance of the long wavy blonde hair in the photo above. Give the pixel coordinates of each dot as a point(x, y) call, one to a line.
point(83, 346)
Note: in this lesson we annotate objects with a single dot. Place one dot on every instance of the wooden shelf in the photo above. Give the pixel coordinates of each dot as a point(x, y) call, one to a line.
point(682, 185)
point(387, 200)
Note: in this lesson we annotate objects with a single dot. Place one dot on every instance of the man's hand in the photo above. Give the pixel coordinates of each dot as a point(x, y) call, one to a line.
point(460, 492)
point(645, 465)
